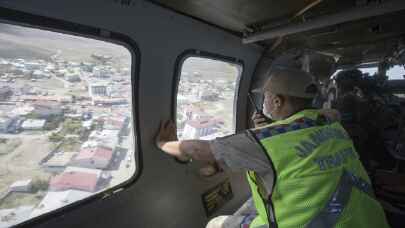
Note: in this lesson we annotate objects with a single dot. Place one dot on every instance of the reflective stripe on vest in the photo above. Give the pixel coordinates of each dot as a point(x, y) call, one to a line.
point(329, 215)
point(298, 124)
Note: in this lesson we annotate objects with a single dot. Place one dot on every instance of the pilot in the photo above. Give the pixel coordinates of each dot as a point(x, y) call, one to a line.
point(303, 169)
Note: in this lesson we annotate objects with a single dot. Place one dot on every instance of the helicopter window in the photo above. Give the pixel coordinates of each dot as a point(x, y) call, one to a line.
point(396, 73)
point(370, 71)
point(206, 98)
point(66, 128)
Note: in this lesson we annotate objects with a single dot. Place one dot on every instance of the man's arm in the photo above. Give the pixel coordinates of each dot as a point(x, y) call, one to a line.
point(236, 152)
point(184, 150)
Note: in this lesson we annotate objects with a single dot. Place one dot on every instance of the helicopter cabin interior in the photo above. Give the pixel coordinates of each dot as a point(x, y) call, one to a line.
point(84, 86)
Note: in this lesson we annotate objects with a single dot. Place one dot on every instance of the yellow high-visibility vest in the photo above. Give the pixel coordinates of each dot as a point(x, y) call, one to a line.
point(319, 180)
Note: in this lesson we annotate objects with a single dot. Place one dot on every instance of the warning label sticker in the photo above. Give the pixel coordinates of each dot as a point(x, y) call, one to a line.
point(216, 197)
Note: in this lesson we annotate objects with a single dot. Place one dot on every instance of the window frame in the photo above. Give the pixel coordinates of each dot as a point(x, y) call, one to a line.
point(28, 20)
point(208, 55)
point(392, 67)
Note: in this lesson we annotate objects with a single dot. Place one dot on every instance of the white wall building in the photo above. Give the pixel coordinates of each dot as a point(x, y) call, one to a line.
point(32, 65)
point(104, 138)
point(33, 124)
point(208, 95)
point(72, 76)
point(102, 72)
point(194, 129)
point(40, 74)
point(4, 124)
point(97, 89)
point(58, 161)
point(21, 186)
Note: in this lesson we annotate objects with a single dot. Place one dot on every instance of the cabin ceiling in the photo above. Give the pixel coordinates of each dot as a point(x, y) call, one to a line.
point(244, 15)
point(356, 41)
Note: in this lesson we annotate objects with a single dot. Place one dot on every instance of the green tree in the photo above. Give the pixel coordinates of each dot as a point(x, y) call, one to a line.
point(40, 185)
point(72, 126)
point(55, 137)
point(32, 115)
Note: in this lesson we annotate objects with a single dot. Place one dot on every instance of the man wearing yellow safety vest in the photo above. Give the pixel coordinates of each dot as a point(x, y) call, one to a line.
point(302, 169)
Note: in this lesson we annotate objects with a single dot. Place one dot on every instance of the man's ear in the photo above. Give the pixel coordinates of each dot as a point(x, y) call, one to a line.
point(278, 101)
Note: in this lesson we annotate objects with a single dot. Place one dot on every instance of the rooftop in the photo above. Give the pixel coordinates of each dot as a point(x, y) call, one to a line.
point(21, 183)
point(54, 200)
point(4, 119)
point(10, 217)
point(104, 142)
point(202, 123)
point(83, 170)
point(104, 134)
point(33, 123)
point(113, 123)
point(95, 154)
point(193, 108)
point(74, 180)
point(60, 159)
point(5, 89)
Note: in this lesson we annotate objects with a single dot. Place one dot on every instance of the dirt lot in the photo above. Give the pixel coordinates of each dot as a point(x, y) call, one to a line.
point(22, 162)
point(8, 145)
point(17, 199)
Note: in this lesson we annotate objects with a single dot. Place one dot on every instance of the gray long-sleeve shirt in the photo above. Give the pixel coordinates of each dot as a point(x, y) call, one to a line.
point(240, 152)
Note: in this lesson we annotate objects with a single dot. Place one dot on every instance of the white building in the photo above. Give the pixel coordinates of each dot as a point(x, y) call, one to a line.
point(97, 172)
point(58, 161)
point(104, 138)
point(32, 65)
point(194, 129)
point(208, 95)
point(87, 66)
point(72, 76)
point(5, 123)
point(97, 89)
point(21, 186)
point(114, 123)
point(33, 124)
point(87, 123)
point(61, 72)
point(109, 101)
point(191, 112)
point(102, 72)
point(40, 74)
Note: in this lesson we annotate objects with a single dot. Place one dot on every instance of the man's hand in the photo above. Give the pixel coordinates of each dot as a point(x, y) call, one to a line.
point(167, 133)
point(259, 120)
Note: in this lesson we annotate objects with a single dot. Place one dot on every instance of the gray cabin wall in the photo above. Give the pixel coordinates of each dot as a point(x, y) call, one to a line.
point(166, 194)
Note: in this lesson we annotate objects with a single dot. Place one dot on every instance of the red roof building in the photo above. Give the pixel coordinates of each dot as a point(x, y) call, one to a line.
point(94, 157)
point(74, 180)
